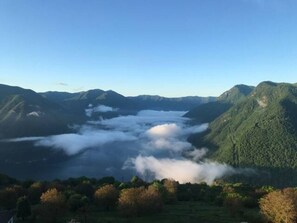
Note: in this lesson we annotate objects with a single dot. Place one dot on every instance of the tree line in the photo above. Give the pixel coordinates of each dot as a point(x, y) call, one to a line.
point(44, 201)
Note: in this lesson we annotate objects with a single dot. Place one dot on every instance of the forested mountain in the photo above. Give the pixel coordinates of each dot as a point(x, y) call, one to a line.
point(25, 113)
point(207, 112)
point(162, 103)
point(258, 131)
point(80, 101)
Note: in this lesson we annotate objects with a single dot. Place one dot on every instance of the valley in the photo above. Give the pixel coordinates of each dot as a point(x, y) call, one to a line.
point(249, 131)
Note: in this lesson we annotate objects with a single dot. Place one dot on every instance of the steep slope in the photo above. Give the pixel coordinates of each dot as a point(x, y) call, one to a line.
point(25, 113)
point(210, 111)
point(259, 131)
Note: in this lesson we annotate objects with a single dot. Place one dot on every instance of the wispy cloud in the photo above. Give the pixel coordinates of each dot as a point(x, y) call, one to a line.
point(62, 84)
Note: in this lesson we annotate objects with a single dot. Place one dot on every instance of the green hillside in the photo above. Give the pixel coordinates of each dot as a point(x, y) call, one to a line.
point(209, 111)
point(25, 113)
point(259, 131)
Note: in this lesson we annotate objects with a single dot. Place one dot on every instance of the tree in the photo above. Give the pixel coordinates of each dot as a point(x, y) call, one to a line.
point(35, 191)
point(106, 180)
point(53, 197)
point(75, 202)
point(8, 198)
point(171, 190)
point(160, 188)
point(137, 182)
point(280, 206)
point(85, 188)
point(150, 201)
point(128, 201)
point(139, 201)
point(23, 208)
point(85, 207)
point(79, 203)
point(107, 196)
point(53, 203)
point(234, 203)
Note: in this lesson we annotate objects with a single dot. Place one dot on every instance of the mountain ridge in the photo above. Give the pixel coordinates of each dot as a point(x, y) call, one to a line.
point(24, 112)
point(209, 111)
point(259, 131)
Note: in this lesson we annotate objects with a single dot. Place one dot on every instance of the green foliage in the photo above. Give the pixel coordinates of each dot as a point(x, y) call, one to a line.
point(23, 208)
point(85, 188)
point(191, 202)
point(25, 113)
point(260, 130)
point(35, 191)
point(106, 180)
point(210, 111)
point(77, 202)
point(236, 94)
point(137, 182)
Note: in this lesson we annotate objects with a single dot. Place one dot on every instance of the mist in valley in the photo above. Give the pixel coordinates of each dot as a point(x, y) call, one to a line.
point(151, 144)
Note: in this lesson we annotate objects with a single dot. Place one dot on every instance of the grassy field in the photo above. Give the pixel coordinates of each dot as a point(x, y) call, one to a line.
point(182, 212)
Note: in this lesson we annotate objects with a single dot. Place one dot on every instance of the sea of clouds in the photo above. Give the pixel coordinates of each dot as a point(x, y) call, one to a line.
point(152, 144)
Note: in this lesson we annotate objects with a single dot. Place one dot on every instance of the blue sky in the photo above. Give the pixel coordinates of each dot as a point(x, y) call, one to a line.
point(165, 47)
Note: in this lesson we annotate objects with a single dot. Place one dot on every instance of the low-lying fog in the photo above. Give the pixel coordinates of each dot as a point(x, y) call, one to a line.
point(151, 144)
